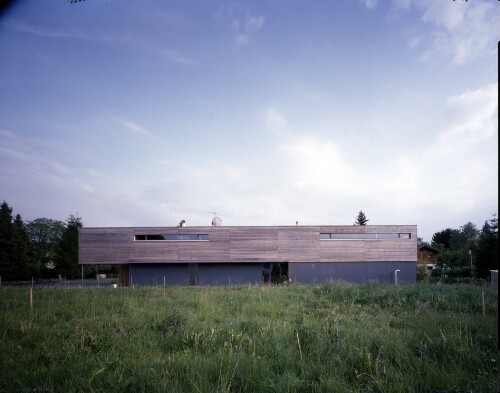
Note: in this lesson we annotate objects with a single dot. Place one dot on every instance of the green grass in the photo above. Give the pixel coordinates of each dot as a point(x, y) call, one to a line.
point(353, 338)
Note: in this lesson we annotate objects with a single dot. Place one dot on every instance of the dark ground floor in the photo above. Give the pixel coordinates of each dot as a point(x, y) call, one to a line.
point(257, 273)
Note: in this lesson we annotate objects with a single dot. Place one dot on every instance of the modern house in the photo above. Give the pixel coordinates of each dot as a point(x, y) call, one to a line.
point(231, 255)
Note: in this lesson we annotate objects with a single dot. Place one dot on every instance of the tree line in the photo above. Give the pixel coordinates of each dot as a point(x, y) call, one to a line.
point(42, 248)
point(467, 251)
point(47, 248)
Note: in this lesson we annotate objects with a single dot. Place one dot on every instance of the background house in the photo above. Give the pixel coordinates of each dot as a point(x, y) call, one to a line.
point(427, 255)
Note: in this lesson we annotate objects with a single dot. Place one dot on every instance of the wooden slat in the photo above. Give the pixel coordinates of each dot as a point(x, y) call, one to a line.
point(245, 244)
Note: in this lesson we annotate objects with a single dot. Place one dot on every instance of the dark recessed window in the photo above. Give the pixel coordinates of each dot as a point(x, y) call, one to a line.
point(155, 237)
point(405, 235)
point(324, 235)
point(172, 237)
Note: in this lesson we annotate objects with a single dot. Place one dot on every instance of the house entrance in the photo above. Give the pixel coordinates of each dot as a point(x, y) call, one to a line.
point(193, 273)
point(123, 275)
point(275, 272)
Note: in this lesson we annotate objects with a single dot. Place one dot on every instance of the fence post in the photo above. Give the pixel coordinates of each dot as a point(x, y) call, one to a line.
point(484, 305)
point(31, 299)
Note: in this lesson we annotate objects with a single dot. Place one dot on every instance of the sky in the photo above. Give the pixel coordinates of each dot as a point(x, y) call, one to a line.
point(145, 113)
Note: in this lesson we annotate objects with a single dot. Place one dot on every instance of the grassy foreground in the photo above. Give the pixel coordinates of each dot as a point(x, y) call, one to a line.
point(322, 338)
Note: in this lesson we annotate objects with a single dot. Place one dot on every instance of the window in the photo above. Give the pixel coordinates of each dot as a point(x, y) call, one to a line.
point(387, 235)
point(363, 236)
point(188, 237)
point(172, 237)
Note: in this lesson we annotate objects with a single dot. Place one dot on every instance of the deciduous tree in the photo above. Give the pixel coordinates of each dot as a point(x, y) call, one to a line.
point(45, 234)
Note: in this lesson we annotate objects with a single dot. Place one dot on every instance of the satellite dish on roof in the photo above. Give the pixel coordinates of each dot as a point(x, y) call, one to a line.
point(216, 222)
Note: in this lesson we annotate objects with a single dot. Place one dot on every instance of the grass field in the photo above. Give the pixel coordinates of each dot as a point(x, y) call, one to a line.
point(322, 338)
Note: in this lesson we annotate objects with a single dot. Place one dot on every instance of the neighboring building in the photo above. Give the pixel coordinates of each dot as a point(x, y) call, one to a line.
point(427, 254)
point(223, 255)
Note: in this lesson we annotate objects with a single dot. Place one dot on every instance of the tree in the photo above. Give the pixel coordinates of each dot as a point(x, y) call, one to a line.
point(6, 246)
point(45, 234)
point(443, 237)
point(15, 257)
point(486, 254)
point(361, 219)
point(21, 250)
point(67, 252)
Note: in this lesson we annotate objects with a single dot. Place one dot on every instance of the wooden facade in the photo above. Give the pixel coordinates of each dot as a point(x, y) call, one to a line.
point(246, 244)
point(427, 254)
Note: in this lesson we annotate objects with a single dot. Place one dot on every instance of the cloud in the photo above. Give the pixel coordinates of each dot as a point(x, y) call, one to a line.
point(137, 129)
point(24, 27)
point(472, 115)
point(254, 23)
point(102, 38)
point(7, 133)
point(275, 121)
point(246, 27)
point(370, 4)
point(465, 31)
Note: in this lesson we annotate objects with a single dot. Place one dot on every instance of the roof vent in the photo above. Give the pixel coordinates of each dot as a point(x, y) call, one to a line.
point(216, 222)
point(182, 223)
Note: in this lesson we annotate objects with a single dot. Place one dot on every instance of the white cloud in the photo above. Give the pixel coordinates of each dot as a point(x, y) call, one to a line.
point(472, 116)
point(100, 38)
point(137, 129)
point(242, 39)
point(315, 164)
point(370, 4)
point(275, 121)
point(254, 23)
point(465, 30)
point(246, 27)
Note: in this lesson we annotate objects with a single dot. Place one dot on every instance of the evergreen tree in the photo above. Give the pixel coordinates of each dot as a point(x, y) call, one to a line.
point(6, 271)
point(21, 255)
point(361, 219)
point(67, 254)
point(487, 248)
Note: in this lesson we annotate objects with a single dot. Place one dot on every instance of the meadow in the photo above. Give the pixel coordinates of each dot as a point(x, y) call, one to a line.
point(334, 337)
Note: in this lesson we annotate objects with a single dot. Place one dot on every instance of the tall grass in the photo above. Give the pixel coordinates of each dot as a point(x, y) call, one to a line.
point(353, 338)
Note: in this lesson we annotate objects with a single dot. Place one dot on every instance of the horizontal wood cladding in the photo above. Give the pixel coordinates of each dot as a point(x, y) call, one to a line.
point(245, 244)
point(298, 244)
point(256, 244)
point(105, 245)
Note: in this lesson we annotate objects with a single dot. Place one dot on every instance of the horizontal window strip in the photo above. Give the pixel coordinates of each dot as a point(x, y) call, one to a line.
point(171, 237)
point(363, 236)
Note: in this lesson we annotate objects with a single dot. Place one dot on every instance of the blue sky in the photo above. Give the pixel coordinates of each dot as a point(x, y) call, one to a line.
point(267, 112)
